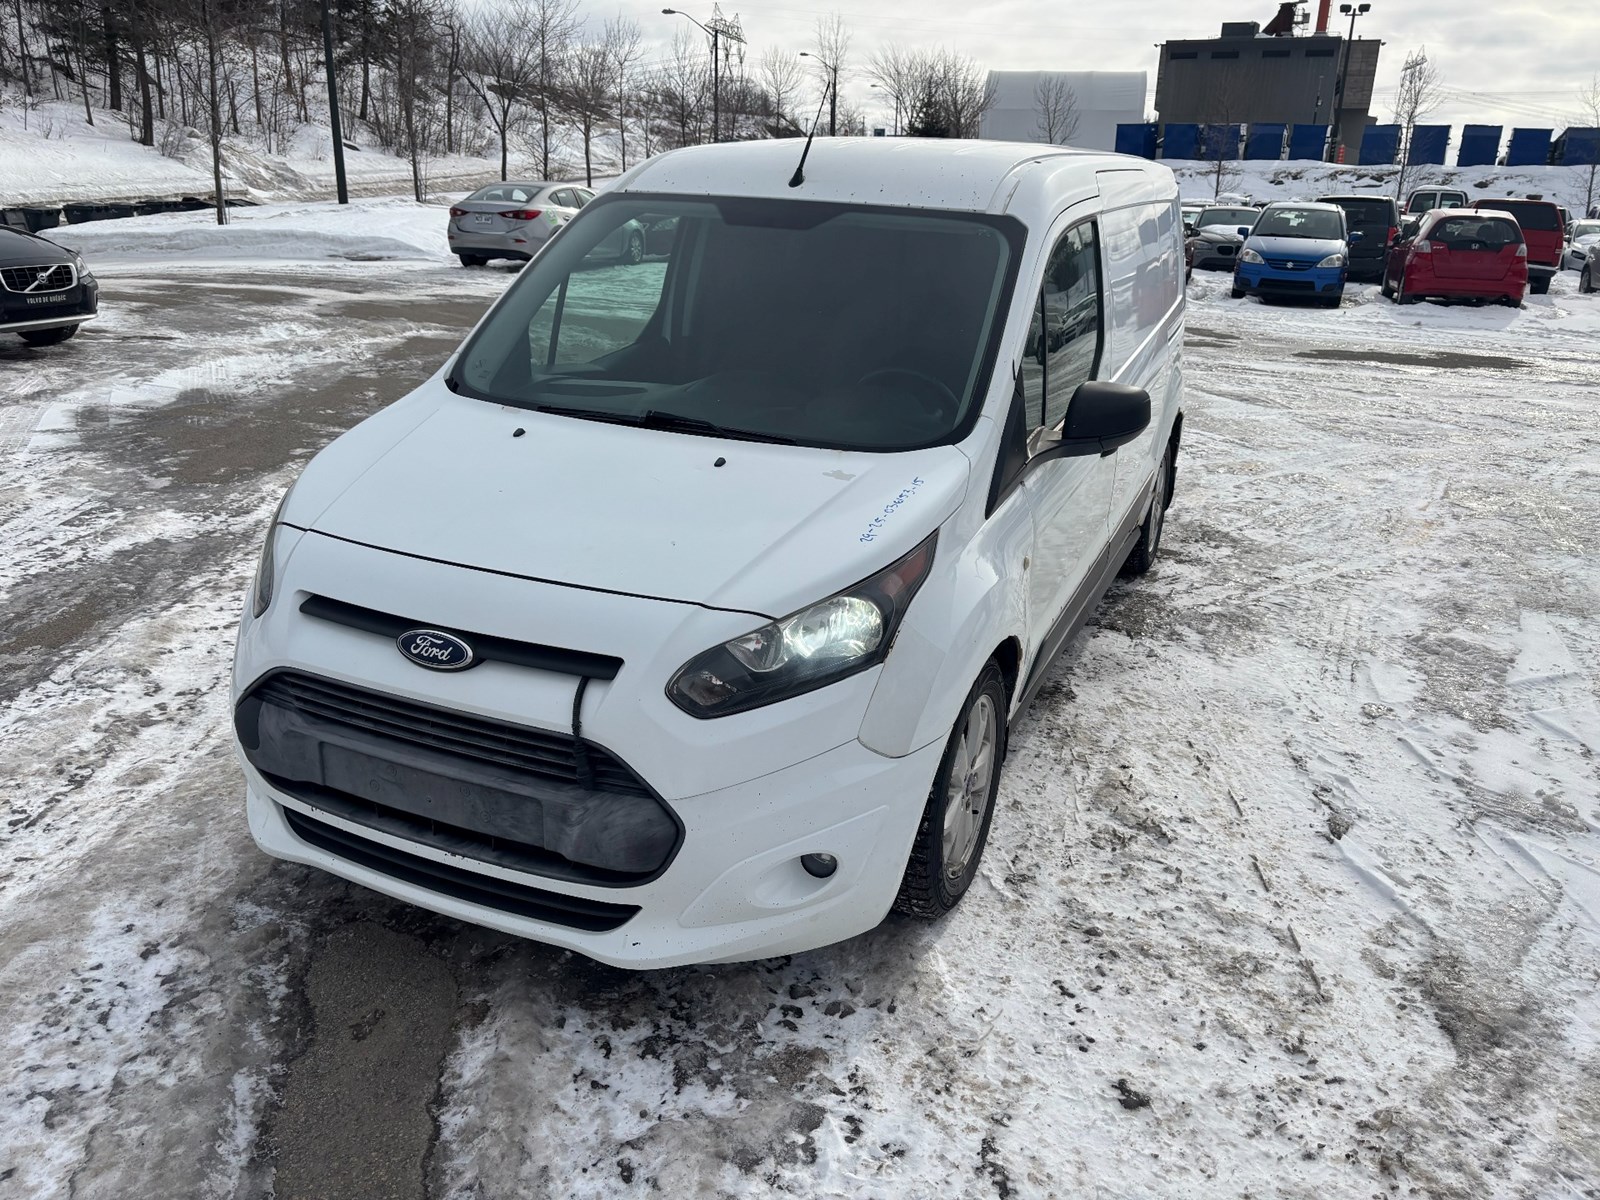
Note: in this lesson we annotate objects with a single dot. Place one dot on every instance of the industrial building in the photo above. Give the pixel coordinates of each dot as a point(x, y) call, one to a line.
point(1102, 101)
point(1272, 75)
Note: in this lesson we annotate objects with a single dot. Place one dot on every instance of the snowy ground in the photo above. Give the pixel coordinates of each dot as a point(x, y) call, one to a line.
point(1293, 890)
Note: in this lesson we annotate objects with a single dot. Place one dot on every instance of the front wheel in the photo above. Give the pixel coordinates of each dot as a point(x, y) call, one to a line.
point(1586, 280)
point(48, 337)
point(1237, 293)
point(634, 252)
point(955, 821)
point(1143, 555)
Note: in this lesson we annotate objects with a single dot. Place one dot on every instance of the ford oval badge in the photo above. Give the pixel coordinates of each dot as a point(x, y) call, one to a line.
point(436, 650)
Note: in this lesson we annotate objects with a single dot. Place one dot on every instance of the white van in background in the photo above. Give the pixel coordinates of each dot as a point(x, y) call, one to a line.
point(681, 617)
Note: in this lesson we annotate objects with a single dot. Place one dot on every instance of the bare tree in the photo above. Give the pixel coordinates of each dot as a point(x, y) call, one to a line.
point(1058, 109)
point(949, 93)
point(1420, 93)
point(832, 42)
point(1588, 104)
point(680, 94)
point(549, 29)
point(894, 69)
point(781, 78)
point(1219, 133)
point(624, 48)
point(502, 67)
point(587, 90)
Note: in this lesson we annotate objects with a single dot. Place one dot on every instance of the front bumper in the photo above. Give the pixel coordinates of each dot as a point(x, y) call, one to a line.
point(1265, 279)
point(80, 304)
point(736, 889)
point(751, 793)
point(1215, 258)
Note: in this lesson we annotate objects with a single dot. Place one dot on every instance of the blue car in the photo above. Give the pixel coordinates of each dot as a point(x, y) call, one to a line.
point(1295, 249)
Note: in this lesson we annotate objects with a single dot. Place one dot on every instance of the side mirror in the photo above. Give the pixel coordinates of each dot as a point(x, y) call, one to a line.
point(1356, 237)
point(1101, 417)
point(1243, 231)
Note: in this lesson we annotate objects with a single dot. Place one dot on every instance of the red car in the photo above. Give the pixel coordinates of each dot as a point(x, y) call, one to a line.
point(1459, 253)
point(1546, 234)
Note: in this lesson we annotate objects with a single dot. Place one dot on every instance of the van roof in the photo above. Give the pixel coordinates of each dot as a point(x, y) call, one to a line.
point(911, 172)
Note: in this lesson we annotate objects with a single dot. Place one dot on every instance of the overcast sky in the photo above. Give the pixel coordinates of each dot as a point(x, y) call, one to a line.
point(1516, 62)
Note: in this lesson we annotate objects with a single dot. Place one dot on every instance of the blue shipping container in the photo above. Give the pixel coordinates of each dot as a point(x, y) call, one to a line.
point(1529, 148)
point(1308, 142)
point(1139, 139)
point(1480, 145)
point(1428, 143)
point(1265, 140)
point(1379, 145)
point(1182, 140)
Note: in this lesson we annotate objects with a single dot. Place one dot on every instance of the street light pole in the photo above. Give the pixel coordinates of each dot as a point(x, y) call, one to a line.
point(895, 131)
point(833, 91)
point(333, 108)
point(1352, 11)
point(719, 28)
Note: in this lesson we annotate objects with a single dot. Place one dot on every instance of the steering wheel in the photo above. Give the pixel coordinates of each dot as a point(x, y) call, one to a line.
point(938, 402)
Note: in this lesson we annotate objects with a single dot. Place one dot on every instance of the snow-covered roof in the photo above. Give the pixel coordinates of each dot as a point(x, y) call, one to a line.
point(920, 172)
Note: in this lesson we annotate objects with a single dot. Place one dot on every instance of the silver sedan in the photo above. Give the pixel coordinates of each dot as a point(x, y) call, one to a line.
point(515, 220)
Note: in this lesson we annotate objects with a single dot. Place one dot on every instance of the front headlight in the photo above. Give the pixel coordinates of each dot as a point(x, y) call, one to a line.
point(1250, 256)
point(816, 646)
point(1333, 260)
point(267, 568)
point(84, 274)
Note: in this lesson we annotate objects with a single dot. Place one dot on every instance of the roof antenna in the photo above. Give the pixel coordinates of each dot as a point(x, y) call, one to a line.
point(799, 175)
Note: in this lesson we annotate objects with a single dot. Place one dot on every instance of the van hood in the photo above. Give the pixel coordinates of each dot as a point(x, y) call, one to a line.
point(639, 511)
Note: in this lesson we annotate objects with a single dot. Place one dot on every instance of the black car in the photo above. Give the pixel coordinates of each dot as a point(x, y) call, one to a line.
point(46, 291)
point(1376, 219)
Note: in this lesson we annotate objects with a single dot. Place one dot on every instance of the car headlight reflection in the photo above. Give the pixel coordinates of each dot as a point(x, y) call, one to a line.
point(1333, 260)
point(1250, 256)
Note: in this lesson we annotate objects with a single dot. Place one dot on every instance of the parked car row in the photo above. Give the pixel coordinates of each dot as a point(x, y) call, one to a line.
point(1442, 245)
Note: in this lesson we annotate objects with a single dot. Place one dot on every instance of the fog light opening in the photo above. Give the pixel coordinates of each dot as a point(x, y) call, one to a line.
point(819, 866)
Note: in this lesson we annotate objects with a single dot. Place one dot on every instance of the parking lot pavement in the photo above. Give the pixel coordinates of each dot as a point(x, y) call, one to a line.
point(1291, 888)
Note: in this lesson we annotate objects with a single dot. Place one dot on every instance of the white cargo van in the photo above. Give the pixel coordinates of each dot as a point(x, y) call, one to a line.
point(682, 615)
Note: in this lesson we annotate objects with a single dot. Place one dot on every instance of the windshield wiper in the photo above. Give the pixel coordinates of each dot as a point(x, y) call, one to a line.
point(655, 418)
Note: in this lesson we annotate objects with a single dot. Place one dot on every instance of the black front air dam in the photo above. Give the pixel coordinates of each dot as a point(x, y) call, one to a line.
point(443, 782)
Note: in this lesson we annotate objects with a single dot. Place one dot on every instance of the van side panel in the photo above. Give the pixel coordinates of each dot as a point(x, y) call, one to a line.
point(1144, 280)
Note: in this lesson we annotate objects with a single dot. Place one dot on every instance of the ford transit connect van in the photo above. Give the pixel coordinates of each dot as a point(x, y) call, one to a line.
point(682, 615)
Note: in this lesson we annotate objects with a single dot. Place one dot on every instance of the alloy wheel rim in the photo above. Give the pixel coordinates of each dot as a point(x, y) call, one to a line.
point(968, 791)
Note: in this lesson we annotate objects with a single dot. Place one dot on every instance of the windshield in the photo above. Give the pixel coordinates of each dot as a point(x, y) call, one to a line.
point(1582, 229)
point(776, 320)
point(1231, 217)
point(1319, 223)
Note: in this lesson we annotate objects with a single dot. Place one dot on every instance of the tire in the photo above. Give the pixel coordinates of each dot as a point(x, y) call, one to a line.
point(1586, 280)
point(1539, 286)
point(1237, 293)
point(48, 337)
point(1400, 296)
point(1332, 301)
point(472, 260)
point(1143, 555)
point(930, 888)
point(1386, 287)
point(634, 251)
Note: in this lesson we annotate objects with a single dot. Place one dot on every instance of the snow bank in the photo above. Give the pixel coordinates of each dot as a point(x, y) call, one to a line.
point(50, 155)
point(362, 229)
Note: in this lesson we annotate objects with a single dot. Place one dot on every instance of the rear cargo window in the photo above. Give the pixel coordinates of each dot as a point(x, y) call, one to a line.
point(1530, 214)
point(1367, 212)
point(1482, 232)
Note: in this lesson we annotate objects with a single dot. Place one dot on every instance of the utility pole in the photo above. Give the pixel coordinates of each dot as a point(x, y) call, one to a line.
point(333, 107)
point(1352, 11)
point(718, 29)
point(833, 91)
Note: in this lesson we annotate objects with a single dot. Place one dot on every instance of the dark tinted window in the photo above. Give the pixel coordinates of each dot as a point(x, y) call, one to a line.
point(1299, 222)
point(1367, 212)
point(1072, 314)
point(1530, 214)
point(1324, 52)
point(1489, 233)
point(1232, 218)
point(1184, 54)
point(1224, 54)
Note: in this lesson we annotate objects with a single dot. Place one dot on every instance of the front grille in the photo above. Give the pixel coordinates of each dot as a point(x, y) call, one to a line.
point(42, 278)
point(545, 755)
point(1226, 251)
point(1290, 264)
point(1287, 285)
point(573, 912)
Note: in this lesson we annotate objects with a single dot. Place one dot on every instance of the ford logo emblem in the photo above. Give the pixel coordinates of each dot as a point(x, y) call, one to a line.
point(436, 650)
